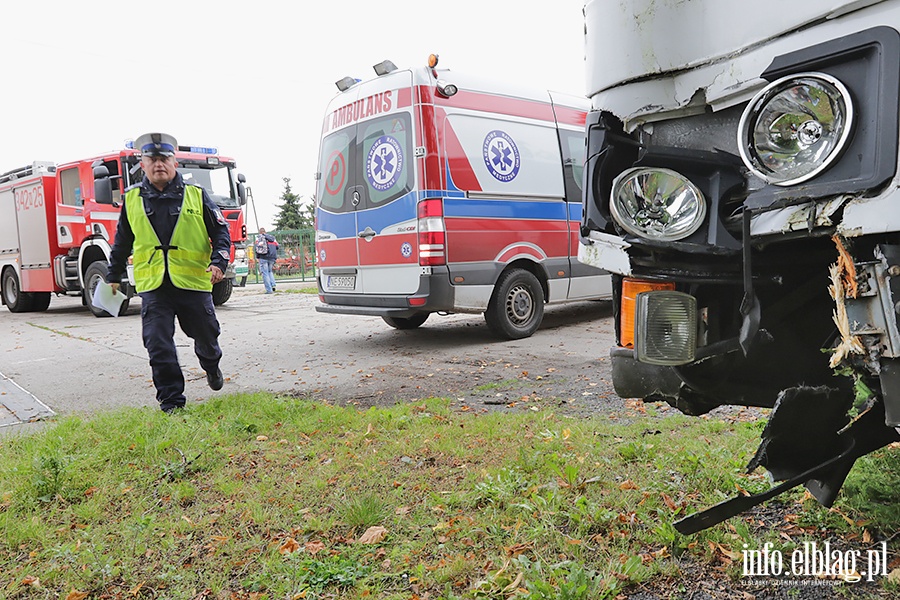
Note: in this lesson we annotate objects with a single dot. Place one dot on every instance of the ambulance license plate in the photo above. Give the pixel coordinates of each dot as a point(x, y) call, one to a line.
point(341, 282)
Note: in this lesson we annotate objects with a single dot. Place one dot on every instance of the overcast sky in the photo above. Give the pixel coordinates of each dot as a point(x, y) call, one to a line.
point(251, 78)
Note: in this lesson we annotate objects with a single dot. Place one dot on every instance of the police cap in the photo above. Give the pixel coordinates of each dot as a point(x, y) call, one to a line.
point(156, 144)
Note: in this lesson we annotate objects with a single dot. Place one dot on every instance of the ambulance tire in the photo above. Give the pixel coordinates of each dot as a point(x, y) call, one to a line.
point(406, 322)
point(94, 276)
point(221, 291)
point(516, 308)
point(15, 299)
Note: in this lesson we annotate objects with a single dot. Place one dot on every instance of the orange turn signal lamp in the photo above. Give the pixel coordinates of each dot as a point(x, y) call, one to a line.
point(630, 289)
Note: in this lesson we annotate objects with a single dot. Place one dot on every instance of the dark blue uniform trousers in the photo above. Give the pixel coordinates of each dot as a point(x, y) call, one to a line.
point(197, 318)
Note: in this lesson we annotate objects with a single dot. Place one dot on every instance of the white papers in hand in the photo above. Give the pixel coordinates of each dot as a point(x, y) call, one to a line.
point(104, 298)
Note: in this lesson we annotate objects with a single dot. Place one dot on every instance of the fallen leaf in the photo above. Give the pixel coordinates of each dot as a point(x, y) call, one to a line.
point(373, 535)
point(32, 581)
point(729, 553)
point(669, 502)
point(289, 546)
point(517, 549)
point(628, 485)
point(76, 595)
point(314, 547)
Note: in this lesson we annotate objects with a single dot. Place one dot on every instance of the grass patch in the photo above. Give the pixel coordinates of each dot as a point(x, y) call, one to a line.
point(268, 495)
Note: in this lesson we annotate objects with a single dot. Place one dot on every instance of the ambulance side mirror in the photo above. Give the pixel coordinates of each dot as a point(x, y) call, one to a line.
point(241, 190)
point(102, 186)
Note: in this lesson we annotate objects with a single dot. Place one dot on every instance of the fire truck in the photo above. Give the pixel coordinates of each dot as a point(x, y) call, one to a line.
point(56, 233)
point(439, 192)
point(742, 185)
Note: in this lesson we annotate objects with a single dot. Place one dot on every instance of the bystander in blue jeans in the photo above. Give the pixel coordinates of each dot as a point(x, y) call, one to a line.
point(265, 266)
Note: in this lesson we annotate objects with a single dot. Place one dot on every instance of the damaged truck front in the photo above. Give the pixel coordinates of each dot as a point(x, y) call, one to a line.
point(742, 185)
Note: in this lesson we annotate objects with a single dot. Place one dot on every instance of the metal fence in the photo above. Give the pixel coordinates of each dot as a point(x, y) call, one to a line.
point(296, 255)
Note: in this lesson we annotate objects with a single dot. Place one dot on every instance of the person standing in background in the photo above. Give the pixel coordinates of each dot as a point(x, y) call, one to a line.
point(266, 259)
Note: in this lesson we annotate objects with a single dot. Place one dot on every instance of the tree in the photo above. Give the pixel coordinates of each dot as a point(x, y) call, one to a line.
point(291, 214)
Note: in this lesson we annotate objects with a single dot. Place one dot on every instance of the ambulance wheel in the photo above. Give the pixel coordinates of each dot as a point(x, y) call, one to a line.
point(94, 276)
point(406, 322)
point(15, 299)
point(221, 291)
point(517, 305)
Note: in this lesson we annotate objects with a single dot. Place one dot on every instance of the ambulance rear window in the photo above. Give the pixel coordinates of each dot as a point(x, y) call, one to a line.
point(387, 160)
point(372, 160)
point(333, 164)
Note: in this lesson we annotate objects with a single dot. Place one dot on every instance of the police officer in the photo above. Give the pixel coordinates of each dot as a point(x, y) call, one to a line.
point(181, 247)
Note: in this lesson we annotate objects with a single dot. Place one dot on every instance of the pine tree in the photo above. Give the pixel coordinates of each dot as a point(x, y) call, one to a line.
point(291, 215)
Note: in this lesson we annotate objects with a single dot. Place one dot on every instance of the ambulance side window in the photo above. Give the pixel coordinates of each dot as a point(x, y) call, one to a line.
point(71, 187)
point(573, 163)
point(336, 165)
point(385, 158)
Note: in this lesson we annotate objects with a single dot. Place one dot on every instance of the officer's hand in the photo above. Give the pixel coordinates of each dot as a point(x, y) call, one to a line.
point(115, 288)
point(215, 274)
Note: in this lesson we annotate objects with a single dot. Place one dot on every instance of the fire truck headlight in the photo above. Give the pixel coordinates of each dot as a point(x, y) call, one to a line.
point(657, 203)
point(665, 328)
point(795, 128)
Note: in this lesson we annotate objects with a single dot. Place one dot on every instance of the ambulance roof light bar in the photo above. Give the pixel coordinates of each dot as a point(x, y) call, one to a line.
point(346, 83)
point(384, 67)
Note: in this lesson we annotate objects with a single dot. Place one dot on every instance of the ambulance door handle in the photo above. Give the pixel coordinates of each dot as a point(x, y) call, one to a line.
point(367, 234)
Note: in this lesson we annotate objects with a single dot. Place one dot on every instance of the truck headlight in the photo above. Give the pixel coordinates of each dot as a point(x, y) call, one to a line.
point(240, 253)
point(657, 203)
point(795, 127)
point(665, 328)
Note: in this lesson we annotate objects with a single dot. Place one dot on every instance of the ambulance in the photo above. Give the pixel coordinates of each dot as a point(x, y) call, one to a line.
point(442, 193)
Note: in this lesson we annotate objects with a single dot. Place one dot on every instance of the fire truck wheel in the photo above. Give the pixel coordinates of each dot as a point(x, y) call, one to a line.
point(40, 301)
point(517, 305)
point(221, 291)
point(94, 276)
point(406, 322)
point(15, 299)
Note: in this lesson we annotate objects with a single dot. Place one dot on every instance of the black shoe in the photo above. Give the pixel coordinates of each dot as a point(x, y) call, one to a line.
point(215, 380)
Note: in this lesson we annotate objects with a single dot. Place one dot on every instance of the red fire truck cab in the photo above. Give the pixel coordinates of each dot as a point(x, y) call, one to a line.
point(56, 233)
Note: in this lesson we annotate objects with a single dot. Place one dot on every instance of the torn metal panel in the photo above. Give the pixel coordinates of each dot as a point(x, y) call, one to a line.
point(805, 442)
point(864, 216)
point(796, 218)
point(607, 252)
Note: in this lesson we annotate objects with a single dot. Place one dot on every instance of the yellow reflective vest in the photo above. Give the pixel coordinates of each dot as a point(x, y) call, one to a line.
point(188, 254)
